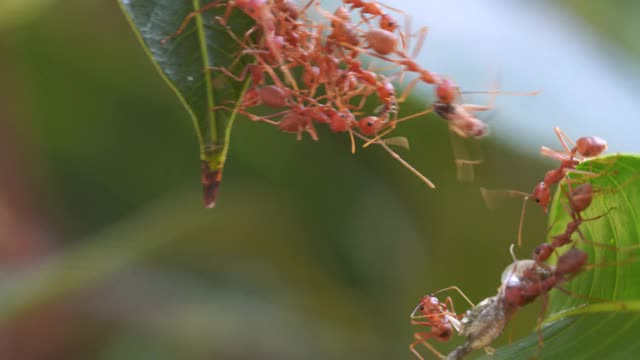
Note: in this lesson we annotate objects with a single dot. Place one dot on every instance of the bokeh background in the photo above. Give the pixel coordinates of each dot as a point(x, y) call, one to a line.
point(311, 252)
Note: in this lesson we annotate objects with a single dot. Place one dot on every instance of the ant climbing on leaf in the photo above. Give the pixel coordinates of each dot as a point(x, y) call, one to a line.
point(584, 148)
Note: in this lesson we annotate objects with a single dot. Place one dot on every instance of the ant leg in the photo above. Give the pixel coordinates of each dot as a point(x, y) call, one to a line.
point(476, 108)
point(407, 90)
point(556, 155)
point(193, 14)
point(409, 117)
point(622, 306)
point(491, 199)
point(392, 8)
point(498, 92)
point(253, 117)
point(489, 350)
point(375, 139)
point(241, 77)
point(406, 36)
point(353, 142)
point(464, 166)
point(378, 137)
point(543, 310)
point(402, 161)
point(266, 67)
point(458, 132)
point(421, 338)
point(562, 137)
point(422, 34)
point(306, 7)
point(248, 33)
point(449, 303)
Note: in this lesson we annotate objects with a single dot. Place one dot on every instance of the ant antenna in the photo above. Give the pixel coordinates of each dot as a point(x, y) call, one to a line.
point(513, 254)
point(413, 313)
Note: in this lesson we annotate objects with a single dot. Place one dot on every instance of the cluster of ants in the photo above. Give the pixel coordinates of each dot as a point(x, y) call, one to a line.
point(523, 281)
point(335, 87)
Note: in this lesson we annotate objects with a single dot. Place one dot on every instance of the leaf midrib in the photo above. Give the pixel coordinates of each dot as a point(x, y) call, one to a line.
point(213, 131)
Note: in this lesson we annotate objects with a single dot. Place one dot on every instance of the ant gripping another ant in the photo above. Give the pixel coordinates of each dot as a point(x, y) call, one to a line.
point(522, 282)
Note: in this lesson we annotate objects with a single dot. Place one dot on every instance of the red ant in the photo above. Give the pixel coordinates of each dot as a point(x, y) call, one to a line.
point(387, 22)
point(579, 200)
point(585, 147)
point(441, 317)
point(258, 10)
point(381, 41)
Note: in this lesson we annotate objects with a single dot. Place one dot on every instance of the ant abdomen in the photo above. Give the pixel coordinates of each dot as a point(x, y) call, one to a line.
point(590, 146)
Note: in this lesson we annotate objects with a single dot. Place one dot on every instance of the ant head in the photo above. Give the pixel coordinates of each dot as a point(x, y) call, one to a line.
point(429, 305)
point(341, 121)
point(541, 194)
point(369, 125)
point(542, 252)
point(446, 91)
point(388, 23)
point(444, 110)
point(424, 306)
point(590, 146)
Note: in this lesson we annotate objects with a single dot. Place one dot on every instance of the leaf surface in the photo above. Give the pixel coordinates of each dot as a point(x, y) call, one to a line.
point(183, 61)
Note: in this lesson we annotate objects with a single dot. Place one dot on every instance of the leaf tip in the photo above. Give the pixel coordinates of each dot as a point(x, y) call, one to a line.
point(210, 183)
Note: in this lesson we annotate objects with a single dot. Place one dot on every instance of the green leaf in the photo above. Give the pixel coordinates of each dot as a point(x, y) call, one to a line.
point(182, 62)
point(602, 321)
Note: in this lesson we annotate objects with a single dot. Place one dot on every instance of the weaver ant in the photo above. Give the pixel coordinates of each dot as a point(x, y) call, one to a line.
point(380, 40)
point(579, 199)
point(441, 317)
point(584, 148)
point(258, 10)
point(521, 283)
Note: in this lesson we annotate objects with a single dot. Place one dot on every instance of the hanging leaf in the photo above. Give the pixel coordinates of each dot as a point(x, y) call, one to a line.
point(183, 61)
point(602, 320)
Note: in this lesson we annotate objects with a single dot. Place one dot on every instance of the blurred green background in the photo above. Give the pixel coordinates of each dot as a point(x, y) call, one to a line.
point(310, 253)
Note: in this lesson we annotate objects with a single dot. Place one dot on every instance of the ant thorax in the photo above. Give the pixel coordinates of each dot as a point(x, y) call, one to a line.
point(484, 323)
